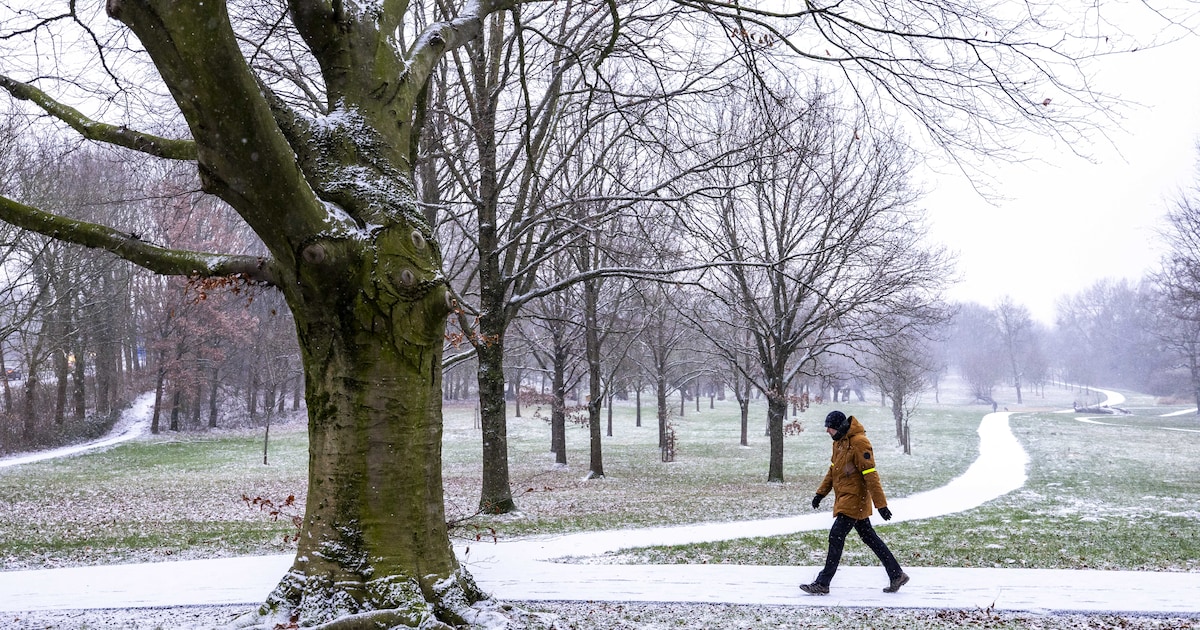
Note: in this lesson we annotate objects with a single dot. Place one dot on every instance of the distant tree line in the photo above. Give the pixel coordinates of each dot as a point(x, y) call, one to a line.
point(81, 333)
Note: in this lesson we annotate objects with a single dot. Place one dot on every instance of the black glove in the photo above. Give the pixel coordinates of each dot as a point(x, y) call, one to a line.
point(817, 500)
point(885, 513)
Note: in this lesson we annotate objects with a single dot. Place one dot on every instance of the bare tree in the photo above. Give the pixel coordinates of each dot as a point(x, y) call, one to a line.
point(1106, 335)
point(554, 335)
point(905, 363)
point(1015, 326)
point(62, 298)
point(532, 167)
point(976, 349)
point(819, 238)
point(740, 361)
point(1178, 285)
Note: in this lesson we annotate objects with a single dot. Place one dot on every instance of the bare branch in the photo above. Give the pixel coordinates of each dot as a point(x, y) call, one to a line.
point(131, 247)
point(101, 132)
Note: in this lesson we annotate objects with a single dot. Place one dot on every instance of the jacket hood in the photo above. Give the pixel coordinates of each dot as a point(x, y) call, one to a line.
point(856, 428)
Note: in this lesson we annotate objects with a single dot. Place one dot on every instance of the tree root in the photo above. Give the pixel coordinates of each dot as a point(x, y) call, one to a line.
point(393, 602)
point(377, 619)
point(486, 614)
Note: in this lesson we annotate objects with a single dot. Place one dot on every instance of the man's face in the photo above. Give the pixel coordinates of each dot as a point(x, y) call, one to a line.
point(831, 431)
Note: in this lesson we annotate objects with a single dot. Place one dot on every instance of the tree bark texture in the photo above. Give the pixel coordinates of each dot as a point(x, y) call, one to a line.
point(744, 408)
point(595, 391)
point(374, 534)
point(496, 494)
point(776, 413)
point(660, 397)
point(558, 390)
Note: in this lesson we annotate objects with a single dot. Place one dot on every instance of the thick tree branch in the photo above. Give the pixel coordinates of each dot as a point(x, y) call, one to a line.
point(243, 157)
point(445, 36)
point(162, 260)
point(98, 131)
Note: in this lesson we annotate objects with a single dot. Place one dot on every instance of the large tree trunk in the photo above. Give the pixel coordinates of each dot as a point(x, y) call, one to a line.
point(595, 393)
point(496, 493)
point(374, 536)
point(558, 392)
point(776, 413)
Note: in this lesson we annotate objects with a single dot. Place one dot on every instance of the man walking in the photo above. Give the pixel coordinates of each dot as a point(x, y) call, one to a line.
point(855, 484)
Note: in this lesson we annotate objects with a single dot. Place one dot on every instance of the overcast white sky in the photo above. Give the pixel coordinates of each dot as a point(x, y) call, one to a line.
point(1070, 223)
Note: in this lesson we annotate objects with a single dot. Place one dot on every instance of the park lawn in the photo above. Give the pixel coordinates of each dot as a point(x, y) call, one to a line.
point(1117, 495)
point(1098, 495)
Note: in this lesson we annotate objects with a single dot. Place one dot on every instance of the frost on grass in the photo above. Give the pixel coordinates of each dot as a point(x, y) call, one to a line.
point(636, 616)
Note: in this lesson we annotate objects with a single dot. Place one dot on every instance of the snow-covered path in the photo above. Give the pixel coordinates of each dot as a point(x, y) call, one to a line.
point(247, 581)
point(999, 470)
point(525, 570)
point(133, 423)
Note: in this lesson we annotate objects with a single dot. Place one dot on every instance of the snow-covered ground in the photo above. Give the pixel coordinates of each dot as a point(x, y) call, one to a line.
point(526, 570)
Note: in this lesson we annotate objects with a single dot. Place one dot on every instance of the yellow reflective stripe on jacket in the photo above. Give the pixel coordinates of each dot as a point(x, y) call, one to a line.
point(869, 470)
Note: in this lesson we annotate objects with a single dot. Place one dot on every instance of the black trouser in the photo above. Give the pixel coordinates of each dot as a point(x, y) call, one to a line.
point(837, 539)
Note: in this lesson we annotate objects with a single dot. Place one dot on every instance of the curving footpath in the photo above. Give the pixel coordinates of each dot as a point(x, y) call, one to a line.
point(526, 569)
point(133, 423)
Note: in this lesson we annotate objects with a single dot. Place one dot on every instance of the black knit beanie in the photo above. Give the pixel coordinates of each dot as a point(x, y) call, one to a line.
point(837, 421)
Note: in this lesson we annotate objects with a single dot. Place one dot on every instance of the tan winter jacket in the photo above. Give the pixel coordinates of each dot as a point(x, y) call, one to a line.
point(852, 475)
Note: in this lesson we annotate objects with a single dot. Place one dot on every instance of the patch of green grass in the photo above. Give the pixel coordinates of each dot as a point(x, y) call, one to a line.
point(170, 496)
point(1097, 495)
point(141, 542)
point(712, 478)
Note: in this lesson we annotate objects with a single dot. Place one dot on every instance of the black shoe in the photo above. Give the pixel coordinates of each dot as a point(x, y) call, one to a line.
point(816, 588)
point(897, 582)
